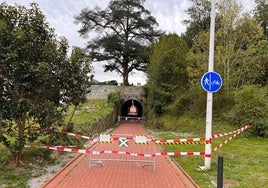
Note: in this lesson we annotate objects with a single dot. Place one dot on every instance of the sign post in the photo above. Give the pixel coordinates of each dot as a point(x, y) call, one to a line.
point(211, 82)
point(210, 94)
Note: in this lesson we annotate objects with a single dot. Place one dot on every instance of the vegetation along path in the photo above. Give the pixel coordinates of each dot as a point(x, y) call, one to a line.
point(120, 174)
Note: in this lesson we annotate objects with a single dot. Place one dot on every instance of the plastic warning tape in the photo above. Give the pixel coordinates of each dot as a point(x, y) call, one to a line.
point(225, 142)
point(28, 146)
point(97, 139)
point(179, 153)
point(177, 141)
point(106, 142)
point(72, 150)
point(229, 133)
point(70, 134)
point(180, 143)
point(87, 151)
point(116, 138)
point(142, 143)
point(75, 135)
point(228, 140)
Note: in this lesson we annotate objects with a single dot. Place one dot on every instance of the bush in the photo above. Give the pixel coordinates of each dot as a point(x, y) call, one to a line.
point(193, 102)
point(153, 120)
point(114, 97)
point(251, 107)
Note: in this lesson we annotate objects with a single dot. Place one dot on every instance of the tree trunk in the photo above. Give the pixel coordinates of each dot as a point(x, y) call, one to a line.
point(71, 118)
point(125, 71)
point(125, 79)
point(21, 126)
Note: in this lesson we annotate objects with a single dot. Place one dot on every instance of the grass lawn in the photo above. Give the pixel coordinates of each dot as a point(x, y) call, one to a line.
point(10, 175)
point(88, 113)
point(245, 161)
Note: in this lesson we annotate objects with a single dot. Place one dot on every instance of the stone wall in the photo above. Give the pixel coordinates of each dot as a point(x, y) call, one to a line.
point(102, 91)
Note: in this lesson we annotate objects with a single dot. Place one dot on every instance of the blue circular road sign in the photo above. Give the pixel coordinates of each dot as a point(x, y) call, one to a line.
point(211, 82)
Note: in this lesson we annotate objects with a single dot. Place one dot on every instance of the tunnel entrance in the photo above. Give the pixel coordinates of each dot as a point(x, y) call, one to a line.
point(131, 108)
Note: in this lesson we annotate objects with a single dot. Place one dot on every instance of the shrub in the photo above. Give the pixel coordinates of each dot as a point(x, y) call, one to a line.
point(251, 107)
point(114, 97)
point(193, 102)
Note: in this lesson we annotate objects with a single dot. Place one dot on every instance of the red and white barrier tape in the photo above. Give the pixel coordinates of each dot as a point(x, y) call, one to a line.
point(116, 138)
point(186, 153)
point(230, 138)
point(73, 134)
point(177, 140)
point(233, 132)
point(87, 151)
point(72, 150)
point(202, 153)
point(27, 146)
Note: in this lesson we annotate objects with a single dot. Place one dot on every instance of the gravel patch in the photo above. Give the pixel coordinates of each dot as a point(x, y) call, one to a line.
point(42, 175)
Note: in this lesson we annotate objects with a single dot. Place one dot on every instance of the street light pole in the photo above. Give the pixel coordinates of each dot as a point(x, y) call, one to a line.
point(208, 152)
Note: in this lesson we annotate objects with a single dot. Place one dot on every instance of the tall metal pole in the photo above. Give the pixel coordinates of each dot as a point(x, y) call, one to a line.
point(210, 94)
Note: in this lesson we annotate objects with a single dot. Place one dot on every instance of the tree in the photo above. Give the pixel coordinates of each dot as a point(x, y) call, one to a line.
point(199, 20)
point(236, 38)
point(240, 56)
point(167, 75)
point(35, 74)
point(250, 64)
point(251, 107)
point(79, 65)
point(261, 14)
point(237, 34)
point(230, 13)
point(125, 28)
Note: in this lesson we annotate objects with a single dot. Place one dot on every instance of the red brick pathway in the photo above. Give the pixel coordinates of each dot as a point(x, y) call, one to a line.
point(120, 174)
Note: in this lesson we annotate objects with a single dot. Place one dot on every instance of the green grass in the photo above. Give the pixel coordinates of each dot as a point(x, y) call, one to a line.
point(11, 176)
point(245, 157)
point(88, 113)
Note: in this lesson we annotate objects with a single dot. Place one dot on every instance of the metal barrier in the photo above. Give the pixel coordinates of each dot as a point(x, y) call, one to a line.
point(132, 119)
point(123, 148)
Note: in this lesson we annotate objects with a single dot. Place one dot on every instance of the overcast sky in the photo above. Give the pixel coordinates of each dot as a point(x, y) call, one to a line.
point(60, 15)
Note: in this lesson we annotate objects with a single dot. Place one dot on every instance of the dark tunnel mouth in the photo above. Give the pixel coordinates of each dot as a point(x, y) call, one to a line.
point(125, 108)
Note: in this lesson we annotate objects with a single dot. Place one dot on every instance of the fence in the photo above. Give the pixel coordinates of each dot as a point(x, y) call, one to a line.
point(132, 119)
point(123, 148)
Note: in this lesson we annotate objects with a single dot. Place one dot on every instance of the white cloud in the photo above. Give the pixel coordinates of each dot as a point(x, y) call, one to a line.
point(169, 14)
point(60, 15)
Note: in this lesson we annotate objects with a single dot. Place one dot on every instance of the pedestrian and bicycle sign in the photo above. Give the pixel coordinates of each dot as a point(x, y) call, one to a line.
point(211, 82)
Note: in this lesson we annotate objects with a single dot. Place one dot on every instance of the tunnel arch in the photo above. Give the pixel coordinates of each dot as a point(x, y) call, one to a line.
point(128, 110)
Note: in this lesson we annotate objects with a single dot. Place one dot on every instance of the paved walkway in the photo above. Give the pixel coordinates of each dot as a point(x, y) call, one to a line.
point(114, 174)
